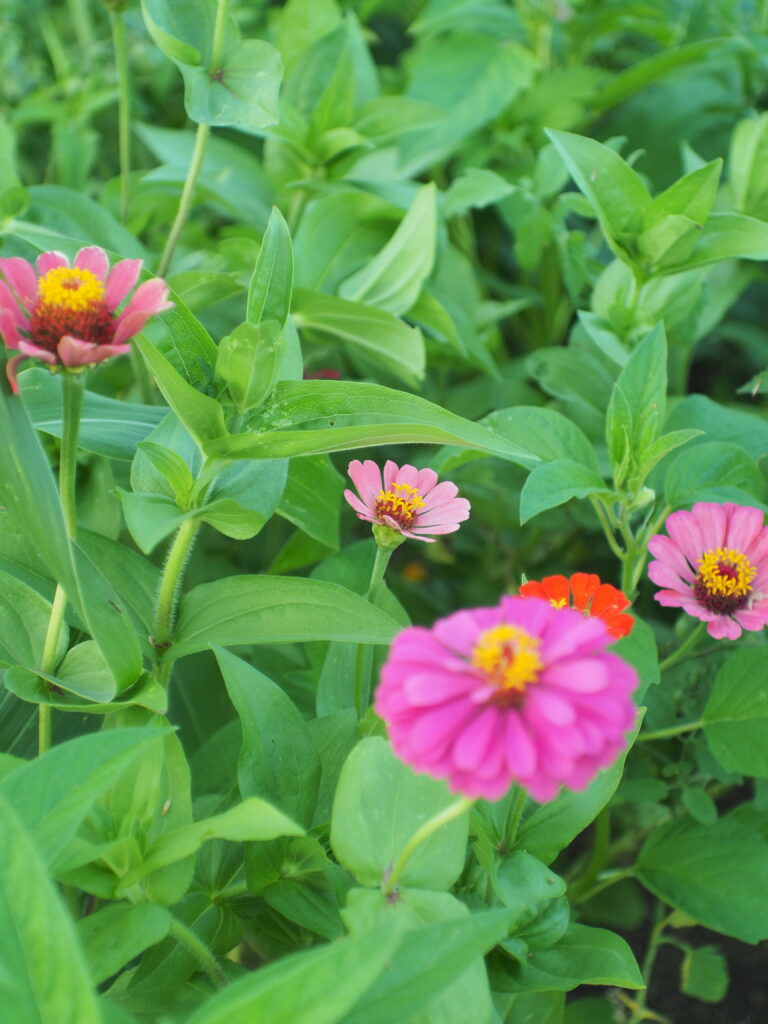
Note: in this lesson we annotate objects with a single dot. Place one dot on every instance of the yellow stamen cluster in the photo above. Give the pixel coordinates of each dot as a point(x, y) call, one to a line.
point(509, 656)
point(401, 502)
point(70, 288)
point(725, 572)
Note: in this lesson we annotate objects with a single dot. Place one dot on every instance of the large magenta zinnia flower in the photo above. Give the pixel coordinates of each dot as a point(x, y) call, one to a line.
point(523, 692)
point(407, 500)
point(714, 565)
point(67, 316)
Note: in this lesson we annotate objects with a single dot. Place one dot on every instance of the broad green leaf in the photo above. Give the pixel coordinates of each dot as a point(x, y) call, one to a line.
point(266, 609)
point(637, 407)
point(704, 974)
point(248, 362)
point(523, 884)
point(716, 471)
point(641, 651)
point(317, 986)
point(726, 236)
point(85, 672)
point(107, 427)
point(425, 964)
point(241, 92)
point(747, 161)
point(379, 805)
point(113, 936)
point(202, 416)
point(376, 332)
point(475, 188)
point(393, 279)
point(271, 286)
point(151, 518)
point(702, 870)
point(691, 196)
point(546, 433)
point(554, 483)
point(77, 217)
point(172, 468)
point(584, 956)
point(670, 239)
point(617, 194)
point(313, 497)
point(662, 446)
point(278, 759)
point(53, 794)
point(337, 416)
point(44, 977)
point(736, 714)
point(719, 423)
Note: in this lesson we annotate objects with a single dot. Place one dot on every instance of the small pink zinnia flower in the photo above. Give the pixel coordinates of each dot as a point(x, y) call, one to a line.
point(714, 565)
point(523, 692)
point(408, 500)
point(65, 315)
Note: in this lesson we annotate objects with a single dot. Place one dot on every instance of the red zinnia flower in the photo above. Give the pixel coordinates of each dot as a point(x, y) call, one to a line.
point(585, 592)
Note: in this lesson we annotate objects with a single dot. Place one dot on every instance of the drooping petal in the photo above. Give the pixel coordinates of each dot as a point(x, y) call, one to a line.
point(22, 278)
point(35, 352)
point(76, 352)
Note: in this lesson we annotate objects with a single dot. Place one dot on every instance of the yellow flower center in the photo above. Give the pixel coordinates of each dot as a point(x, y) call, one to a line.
point(509, 657)
point(725, 572)
point(401, 503)
point(70, 288)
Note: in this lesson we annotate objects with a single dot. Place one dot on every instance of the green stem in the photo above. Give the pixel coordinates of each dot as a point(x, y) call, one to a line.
point(199, 950)
point(639, 1011)
point(453, 810)
point(687, 645)
point(364, 657)
point(597, 505)
point(607, 880)
point(380, 563)
point(123, 109)
point(72, 404)
point(198, 153)
point(597, 858)
point(672, 730)
point(171, 579)
point(514, 815)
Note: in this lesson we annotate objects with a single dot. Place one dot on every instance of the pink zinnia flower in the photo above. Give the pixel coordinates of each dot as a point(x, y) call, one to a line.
point(65, 315)
point(408, 500)
point(523, 692)
point(714, 565)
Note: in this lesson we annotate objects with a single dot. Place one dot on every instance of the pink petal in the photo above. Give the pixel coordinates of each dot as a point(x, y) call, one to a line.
point(149, 298)
point(357, 505)
point(93, 258)
point(445, 491)
point(22, 278)
point(459, 632)
point(580, 675)
point(554, 708)
point(684, 529)
point(50, 261)
point(454, 511)
point(664, 575)
point(8, 329)
point(10, 372)
point(521, 751)
point(366, 477)
point(425, 688)
point(724, 628)
point(713, 522)
point(391, 469)
point(446, 528)
point(407, 475)
point(744, 525)
point(10, 305)
point(752, 619)
point(471, 746)
point(76, 352)
point(122, 278)
point(434, 729)
point(665, 549)
point(35, 352)
point(426, 480)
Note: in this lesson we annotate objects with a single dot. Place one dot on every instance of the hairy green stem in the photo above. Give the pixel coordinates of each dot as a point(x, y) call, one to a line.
point(199, 950)
point(123, 109)
point(198, 153)
point(171, 580)
point(685, 647)
point(672, 730)
point(423, 833)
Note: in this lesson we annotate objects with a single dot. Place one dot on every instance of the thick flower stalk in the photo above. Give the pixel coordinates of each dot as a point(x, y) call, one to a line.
point(714, 565)
point(67, 316)
point(523, 692)
point(586, 593)
point(406, 500)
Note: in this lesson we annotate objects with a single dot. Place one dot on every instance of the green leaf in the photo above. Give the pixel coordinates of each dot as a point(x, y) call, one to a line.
point(704, 974)
point(170, 465)
point(393, 279)
point(241, 92)
point(554, 483)
point(317, 986)
point(476, 188)
point(691, 196)
point(266, 609)
point(736, 714)
point(618, 196)
point(641, 651)
point(107, 427)
point(376, 332)
point(339, 415)
point(202, 416)
point(248, 362)
point(584, 956)
point(716, 471)
point(701, 870)
point(720, 423)
point(271, 286)
point(53, 794)
point(379, 805)
point(312, 498)
point(747, 159)
point(24, 617)
point(546, 433)
point(726, 236)
point(113, 936)
point(85, 672)
point(44, 976)
point(278, 759)
point(637, 408)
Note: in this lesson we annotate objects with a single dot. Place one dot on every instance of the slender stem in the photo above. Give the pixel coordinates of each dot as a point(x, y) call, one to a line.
point(452, 811)
point(199, 950)
point(672, 730)
point(607, 880)
point(687, 645)
point(171, 579)
point(123, 109)
point(51, 645)
point(364, 657)
point(639, 1011)
point(380, 563)
point(198, 153)
point(597, 505)
point(597, 858)
point(72, 403)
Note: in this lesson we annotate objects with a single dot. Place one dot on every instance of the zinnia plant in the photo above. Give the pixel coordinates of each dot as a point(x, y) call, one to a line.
point(588, 594)
point(523, 692)
point(407, 500)
point(714, 565)
point(67, 315)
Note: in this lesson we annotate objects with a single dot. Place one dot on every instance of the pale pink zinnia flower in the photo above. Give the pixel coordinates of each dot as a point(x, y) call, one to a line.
point(408, 500)
point(67, 316)
point(714, 565)
point(524, 692)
